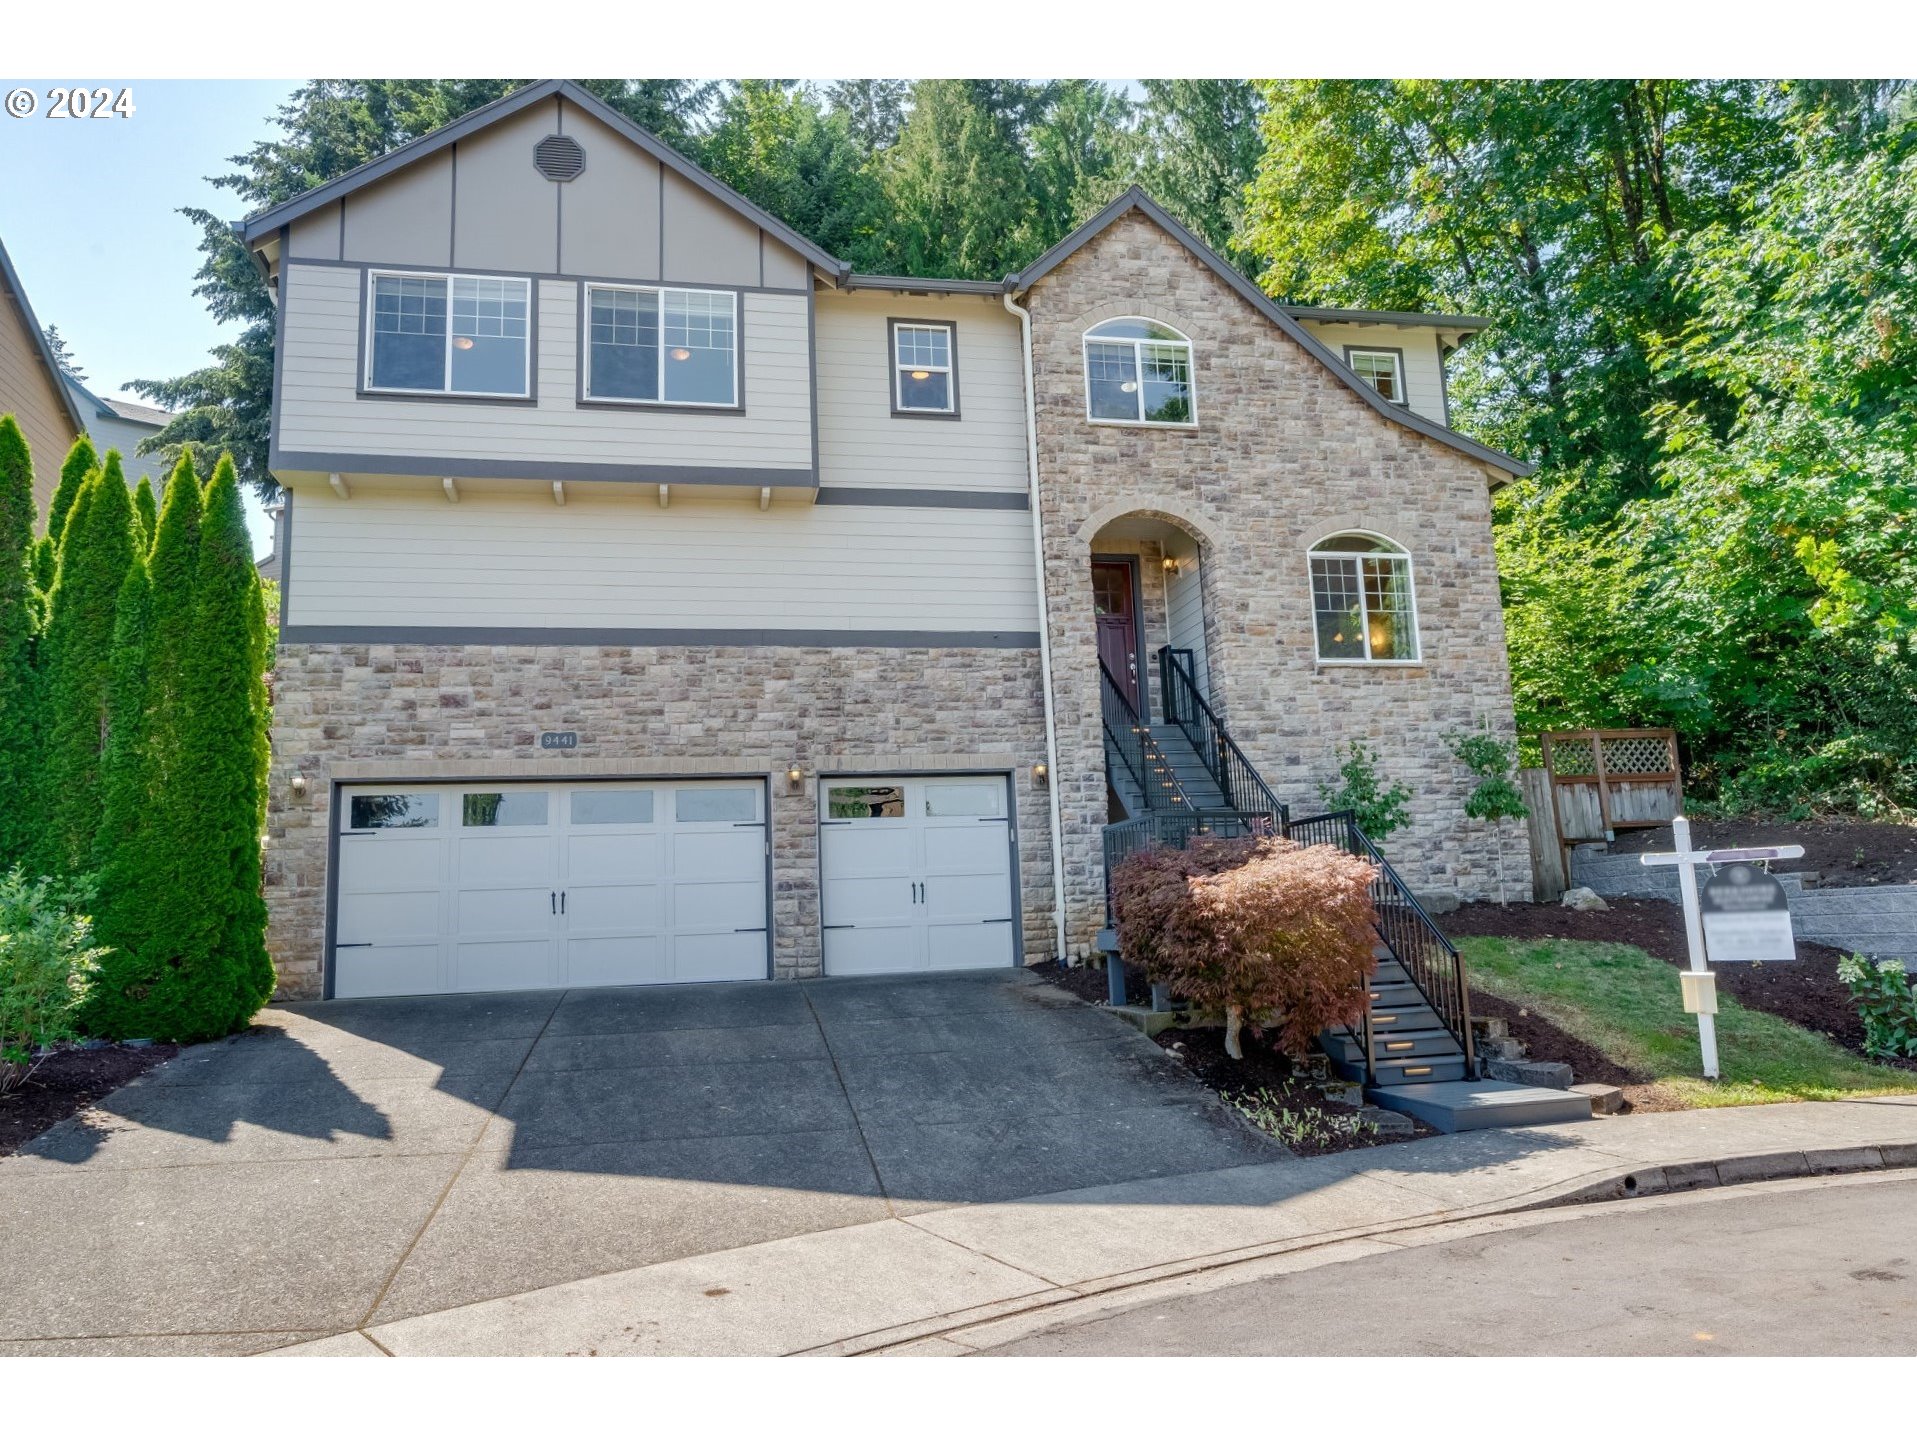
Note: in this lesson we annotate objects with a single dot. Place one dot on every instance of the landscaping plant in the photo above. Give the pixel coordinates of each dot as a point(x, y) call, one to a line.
point(1379, 810)
point(1495, 797)
point(82, 459)
point(47, 961)
point(19, 729)
point(1261, 930)
point(1886, 1002)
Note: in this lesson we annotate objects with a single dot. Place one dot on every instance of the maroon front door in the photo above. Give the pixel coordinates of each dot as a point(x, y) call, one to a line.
point(1117, 626)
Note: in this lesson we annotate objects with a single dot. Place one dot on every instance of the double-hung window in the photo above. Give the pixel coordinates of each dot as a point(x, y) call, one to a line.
point(449, 334)
point(924, 372)
point(1382, 369)
point(648, 345)
point(1138, 371)
point(1362, 601)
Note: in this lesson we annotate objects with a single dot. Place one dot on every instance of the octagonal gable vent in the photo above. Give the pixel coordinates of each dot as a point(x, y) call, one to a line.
point(559, 158)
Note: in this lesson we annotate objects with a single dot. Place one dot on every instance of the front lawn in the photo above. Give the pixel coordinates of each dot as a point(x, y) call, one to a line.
point(1626, 1004)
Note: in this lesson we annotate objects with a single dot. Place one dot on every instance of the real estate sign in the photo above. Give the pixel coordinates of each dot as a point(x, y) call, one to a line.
point(1747, 918)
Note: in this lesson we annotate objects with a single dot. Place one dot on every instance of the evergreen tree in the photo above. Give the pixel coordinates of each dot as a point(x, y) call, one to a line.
point(81, 461)
point(203, 968)
point(147, 509)
point(19, 728)
point(1200, 144)
point(957, 181)
point(129, 828)
point(874, 111)
point(95, 549)
point(1080, 153)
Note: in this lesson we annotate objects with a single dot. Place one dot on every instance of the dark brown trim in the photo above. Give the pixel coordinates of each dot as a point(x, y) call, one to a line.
point(436, 466)
point(443, 636)
point(888, 498)
point(1408, 319)
point(1404, 373)
point(892, 366)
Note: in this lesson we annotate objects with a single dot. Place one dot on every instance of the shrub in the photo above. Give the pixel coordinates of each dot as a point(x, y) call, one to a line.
point(47, 961)
point(1261, 930)
point(1378, 809)
point(19, 684)
point(1886, 1002)
point(1495, 797)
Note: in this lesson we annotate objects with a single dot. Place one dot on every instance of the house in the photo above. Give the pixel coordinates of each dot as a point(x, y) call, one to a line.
point(665, 602)
point(32, 388)
point(123, 425)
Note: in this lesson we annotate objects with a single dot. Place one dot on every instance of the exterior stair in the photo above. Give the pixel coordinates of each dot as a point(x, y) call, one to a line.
point(1200, 787)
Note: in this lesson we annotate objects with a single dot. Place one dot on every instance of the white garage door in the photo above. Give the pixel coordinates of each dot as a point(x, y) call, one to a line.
point(472, 888)
point(918, 874)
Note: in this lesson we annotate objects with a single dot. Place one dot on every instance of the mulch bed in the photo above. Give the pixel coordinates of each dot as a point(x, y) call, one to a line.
point(1202, 1051)
point(1842, 852)
point(1807, 992)
point(68, 1081)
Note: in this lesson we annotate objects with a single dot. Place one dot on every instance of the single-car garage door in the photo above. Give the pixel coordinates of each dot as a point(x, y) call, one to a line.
point(917, 873)
point(462, 888)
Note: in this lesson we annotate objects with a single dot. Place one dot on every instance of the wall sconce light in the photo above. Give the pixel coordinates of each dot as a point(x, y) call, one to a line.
point(795, 777)
point(1171, 566)
point(299, 785)
point(1040, 773)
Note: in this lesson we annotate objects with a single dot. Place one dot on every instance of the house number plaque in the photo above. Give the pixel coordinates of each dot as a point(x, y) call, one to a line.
point(559, 738)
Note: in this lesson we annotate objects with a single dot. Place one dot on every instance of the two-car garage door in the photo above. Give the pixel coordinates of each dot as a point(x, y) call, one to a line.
point(469, 888)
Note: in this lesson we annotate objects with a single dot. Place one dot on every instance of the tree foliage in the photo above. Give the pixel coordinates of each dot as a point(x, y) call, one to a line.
point(19, 688)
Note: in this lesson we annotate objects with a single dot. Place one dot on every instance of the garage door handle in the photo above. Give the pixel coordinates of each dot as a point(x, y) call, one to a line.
point(830, 926)
point(352, 945)
point(562, 902)
point(553, 898)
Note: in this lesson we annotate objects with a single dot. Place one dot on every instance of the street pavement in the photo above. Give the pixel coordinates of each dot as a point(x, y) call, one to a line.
point(1824, 1268)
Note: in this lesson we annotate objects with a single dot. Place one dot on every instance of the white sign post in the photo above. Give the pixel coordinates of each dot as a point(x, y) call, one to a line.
point(1686, 860)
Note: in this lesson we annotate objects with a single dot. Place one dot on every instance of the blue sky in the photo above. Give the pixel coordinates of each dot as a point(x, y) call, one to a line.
point(89, 216)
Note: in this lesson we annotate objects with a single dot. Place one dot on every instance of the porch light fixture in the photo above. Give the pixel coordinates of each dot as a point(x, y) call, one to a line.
point(1040, 773)
point(794, 776)
point(299, 785)
point(1171, 565)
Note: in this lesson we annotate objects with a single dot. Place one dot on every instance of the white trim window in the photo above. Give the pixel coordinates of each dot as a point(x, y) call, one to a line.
point(1362, 600)
point(448, 334)
point(923, 381)
point(1382, 369)
point(1138, 371)
point(652, 345)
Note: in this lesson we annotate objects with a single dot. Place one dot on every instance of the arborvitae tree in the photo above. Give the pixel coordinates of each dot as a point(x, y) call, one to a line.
point(80, 462)
point(19, 730)
point(148, 510)
point(129, 830)
point(95, 549)
point(204, 970)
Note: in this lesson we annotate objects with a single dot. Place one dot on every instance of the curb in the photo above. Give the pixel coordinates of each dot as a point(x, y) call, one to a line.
point(1727, 1172)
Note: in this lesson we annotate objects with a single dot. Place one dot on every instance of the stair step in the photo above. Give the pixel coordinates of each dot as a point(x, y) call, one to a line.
point(1457, 1107)
point(1388, 1021)
point(1395, 1072)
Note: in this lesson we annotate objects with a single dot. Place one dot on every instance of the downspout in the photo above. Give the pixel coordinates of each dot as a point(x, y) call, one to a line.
point(1044, 621)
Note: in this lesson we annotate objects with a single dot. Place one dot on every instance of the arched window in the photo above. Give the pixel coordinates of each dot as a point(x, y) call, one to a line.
point(1362, 600)
point(1138, 371)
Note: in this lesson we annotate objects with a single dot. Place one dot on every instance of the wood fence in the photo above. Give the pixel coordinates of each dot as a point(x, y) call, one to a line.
point(1594, 782)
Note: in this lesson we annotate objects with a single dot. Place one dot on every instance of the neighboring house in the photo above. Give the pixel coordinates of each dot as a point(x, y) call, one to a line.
point(271, 567)
point(662, 601)
point(32, 387)
point(121, 424)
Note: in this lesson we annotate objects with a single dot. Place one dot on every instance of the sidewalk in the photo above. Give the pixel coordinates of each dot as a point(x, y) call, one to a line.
point(893, 1282)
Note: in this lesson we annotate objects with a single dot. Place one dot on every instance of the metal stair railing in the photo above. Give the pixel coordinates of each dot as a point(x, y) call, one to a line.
point(1132, 737)
point(1237, 780)
point(1430, 959)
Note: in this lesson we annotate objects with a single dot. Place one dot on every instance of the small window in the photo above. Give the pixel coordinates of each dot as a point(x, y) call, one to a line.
point(510, 808)
point(865, 801)
point(924, 372)
point(1138, 371)
point(715, 805)
point(963, 800)
point(1382, 369)
point(1362, 601)
point(393, 810)
point(458, 334)
point(611, 805)
point(662, 346)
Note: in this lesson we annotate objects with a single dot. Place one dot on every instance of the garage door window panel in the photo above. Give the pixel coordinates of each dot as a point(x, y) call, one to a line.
point(715, 805)
point(509, 808)
point(393, 810)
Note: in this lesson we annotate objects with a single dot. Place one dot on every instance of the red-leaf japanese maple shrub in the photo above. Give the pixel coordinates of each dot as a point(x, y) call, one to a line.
point(1262, 930)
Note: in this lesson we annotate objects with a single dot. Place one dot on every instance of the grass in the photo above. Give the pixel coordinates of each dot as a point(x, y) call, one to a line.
point(1627, 1005)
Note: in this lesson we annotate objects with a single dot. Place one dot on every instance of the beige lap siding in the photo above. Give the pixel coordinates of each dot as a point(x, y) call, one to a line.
point(1283, 454)
point(507, 556)
point(375, 712)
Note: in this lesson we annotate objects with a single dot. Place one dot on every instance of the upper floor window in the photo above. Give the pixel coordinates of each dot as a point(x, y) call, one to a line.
point(662, 346)
point(1138, 371)
point(1382, 369)
point(1362, 600)
point(449, 334)
point(924, 368)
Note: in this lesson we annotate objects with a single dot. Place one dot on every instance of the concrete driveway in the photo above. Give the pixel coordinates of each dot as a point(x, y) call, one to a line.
point(349, 1163)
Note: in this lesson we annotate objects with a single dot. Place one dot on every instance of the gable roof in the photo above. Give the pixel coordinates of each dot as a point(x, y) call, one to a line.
point(1136, 199)
point(17, 292)
point(119, 408)
point(257, 226)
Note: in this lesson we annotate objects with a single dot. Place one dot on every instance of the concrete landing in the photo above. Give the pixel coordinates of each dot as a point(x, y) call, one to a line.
point(1461, 1107)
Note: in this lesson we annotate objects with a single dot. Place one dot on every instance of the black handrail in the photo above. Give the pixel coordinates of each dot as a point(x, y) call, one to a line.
point(1430, 959)
point(1175, 829)
point(1132, 737)
point(1223, 759)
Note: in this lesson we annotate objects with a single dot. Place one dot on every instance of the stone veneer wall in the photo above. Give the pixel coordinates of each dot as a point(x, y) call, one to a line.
point(375, 712)
point(1282, 455)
